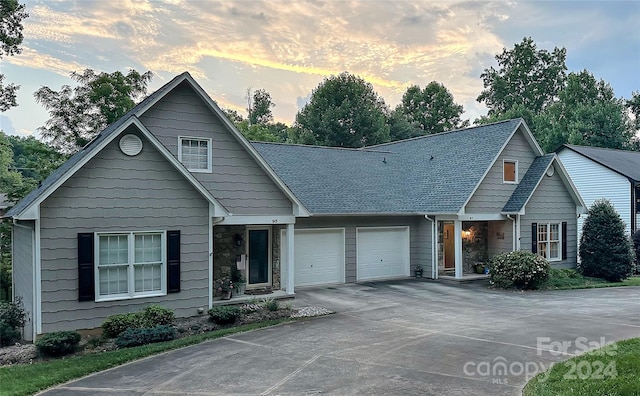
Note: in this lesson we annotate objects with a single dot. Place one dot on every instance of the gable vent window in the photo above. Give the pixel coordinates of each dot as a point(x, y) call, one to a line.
point(195, 154)
point(510, 171)
point(130, 145)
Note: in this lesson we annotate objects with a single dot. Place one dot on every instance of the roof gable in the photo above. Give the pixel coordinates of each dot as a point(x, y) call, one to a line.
point(27, 207)
point(623, 162)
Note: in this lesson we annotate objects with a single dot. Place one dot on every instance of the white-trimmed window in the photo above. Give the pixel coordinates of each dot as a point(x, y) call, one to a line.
point(195, 153)
point(130, 264)
point(549, 242)
point(509, 171)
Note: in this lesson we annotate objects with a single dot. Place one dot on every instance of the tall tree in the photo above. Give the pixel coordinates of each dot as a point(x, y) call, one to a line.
point(526, 76)
point(586, 113)
point(260, 108)
point(431, 109)
point(634, 106)
point(343, 111)
point(78, 114)
point(11, 15)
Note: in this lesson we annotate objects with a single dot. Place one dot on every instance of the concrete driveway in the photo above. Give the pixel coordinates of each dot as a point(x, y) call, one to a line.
point(399, 337)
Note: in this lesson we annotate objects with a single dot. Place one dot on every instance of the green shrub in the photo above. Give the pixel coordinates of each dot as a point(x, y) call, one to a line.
point(605, 249)
point(155, 315)
point(271, 304)
point(636, 248)
point(8, 334)
point(224, 314)
point(117, 324)
point(519, 269)
point(134, 337)
point(59, 343)
point(12, 319)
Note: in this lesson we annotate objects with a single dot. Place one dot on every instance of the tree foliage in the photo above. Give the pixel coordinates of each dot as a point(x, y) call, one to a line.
point(432, 109)
point(343, 111)
point(11, 15)
point(260, 108)
point(526, 76)
point(78, 114)
point(605, 249)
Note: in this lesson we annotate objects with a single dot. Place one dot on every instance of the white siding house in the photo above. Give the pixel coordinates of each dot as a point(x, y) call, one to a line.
point(605, 173)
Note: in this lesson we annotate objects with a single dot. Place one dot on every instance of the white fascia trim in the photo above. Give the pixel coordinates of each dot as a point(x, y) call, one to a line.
point(302, 211)
point(482, 217)
point(32, 211)
point(531, 139)
point(37, 274)
point(257, 220)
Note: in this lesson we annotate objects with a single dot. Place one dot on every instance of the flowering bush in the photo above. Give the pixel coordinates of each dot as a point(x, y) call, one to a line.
point(520, 269)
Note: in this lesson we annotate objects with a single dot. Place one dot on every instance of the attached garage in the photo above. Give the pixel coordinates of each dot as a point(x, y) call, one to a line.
point(319, 256)
point(382, 252)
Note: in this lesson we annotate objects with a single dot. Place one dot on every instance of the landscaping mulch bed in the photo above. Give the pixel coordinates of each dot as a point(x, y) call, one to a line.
point(26, 353)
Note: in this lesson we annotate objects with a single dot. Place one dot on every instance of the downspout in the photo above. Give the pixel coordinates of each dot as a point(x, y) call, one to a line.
point(514, 231)
point(434, 247)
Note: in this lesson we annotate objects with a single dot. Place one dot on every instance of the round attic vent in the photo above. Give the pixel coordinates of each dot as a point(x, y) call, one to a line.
point(130, 145)
point(551, 171)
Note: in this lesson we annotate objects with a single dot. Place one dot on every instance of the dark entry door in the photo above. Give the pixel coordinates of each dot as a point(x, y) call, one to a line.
point(258, 256)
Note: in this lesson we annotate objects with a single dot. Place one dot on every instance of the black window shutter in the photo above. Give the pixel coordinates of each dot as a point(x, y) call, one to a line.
point(173, 261)
point(564, 240)
point(534, 237)
point(86, 280)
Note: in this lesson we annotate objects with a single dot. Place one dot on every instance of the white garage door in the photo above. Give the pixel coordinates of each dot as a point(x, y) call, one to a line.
point(319, 256)
point(382, 252)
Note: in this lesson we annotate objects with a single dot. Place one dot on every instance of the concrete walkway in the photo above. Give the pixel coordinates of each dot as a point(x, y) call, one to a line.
point(394, 338)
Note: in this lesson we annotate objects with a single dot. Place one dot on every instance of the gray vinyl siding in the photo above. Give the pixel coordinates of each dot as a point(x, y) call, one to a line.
point(419, 237)
point(23, 250)
point(495, 245)
point(236, 180)
point(113, 192)
point(493, 193)
point(551, 202)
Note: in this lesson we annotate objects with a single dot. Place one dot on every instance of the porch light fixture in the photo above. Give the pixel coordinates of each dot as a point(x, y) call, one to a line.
point(237, 238)
point(466, 234)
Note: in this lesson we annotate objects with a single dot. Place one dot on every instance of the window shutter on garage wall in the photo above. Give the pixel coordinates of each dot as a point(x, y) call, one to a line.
point(86, 280)
point(534, 237)
point(564, 240)
point(173, 261)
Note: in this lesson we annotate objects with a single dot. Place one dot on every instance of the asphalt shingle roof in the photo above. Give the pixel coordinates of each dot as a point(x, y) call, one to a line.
point(84, 152)
point(429, 174)
point(625, 162)
point(528, 183)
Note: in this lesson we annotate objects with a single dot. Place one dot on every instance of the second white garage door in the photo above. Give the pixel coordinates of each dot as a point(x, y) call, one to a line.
point(319, 257)
point(382, 252)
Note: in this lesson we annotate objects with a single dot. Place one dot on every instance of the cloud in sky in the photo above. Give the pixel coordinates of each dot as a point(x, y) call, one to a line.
point(288, 47)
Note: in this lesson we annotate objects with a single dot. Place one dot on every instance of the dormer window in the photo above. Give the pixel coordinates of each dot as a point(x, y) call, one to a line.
point(195, 153)
point(510, 171)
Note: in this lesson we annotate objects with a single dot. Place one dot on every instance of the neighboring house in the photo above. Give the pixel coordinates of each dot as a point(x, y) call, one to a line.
point(606, 173)
point(166, 200)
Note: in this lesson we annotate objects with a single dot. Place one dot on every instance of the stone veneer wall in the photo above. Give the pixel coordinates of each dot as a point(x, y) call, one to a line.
point(225, 251)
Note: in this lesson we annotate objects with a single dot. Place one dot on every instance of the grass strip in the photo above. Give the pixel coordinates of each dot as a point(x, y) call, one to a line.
point(612, 371)
point(27, 379)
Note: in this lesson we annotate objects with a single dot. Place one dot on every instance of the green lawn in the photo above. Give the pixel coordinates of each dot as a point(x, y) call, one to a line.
point(560, 279)
point(27, 379)
point(611, 371)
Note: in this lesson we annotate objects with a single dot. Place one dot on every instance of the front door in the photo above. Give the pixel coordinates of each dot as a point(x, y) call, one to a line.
point(258, 252)
point(449, 246)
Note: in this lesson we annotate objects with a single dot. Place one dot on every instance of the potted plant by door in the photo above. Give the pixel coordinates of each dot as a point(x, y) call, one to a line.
point(224, 287)
point(418, 271)
point(238, 281)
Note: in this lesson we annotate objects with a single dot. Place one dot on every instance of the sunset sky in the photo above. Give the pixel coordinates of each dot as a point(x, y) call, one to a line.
point(288, 47)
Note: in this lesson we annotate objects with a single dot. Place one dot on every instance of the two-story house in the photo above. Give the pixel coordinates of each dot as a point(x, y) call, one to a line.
point(166, 200)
